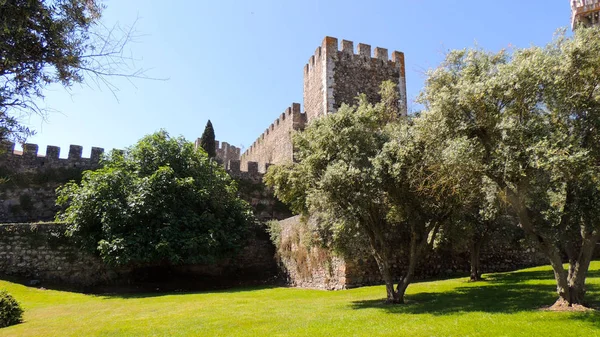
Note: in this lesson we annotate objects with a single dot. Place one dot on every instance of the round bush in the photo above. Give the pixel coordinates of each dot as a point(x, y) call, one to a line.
point(10, 311)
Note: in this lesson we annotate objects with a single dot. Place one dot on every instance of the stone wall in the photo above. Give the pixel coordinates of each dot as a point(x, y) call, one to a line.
point(308, 266)
point(317, 75)
point(311, 266)
point(31, 180)
point(227, 152)
point(252, 189)
point(274, 146)
point(333, 77)
point(42, 252)
point(224, 151)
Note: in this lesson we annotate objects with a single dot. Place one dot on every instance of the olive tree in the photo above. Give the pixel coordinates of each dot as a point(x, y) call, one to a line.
point(529, 123)
point(355, 171)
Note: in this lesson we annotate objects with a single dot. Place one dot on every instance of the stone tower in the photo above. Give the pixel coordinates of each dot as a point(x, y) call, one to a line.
point(585, 12)
point(333, 76)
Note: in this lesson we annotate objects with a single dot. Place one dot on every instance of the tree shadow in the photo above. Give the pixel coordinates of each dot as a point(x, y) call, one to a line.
point(498, 293)
point(521, 276)
point(178, 292)
point(485, 298)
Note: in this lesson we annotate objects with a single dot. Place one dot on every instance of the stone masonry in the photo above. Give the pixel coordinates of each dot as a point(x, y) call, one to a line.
point(333, 76)
point(585, 13)
point(320, 268)
point(42, 252)
point(225, 152)
point(29, 192)
point(274, 146)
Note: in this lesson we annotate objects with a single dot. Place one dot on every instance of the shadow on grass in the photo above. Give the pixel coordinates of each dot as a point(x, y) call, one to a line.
point(499, 293)
point(160, 293)
point(521, 276)
point(488, 298)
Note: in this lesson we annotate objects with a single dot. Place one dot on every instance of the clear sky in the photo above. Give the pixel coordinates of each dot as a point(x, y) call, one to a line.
point(240, 63)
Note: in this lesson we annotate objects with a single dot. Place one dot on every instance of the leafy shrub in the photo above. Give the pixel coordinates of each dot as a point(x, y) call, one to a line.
point(160, 201)
point(11, 312)
point(274, 230)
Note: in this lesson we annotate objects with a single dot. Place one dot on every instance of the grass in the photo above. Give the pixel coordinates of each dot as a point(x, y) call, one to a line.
point(506, 304)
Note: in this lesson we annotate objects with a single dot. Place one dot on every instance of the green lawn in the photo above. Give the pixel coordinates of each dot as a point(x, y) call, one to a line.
point(504, 305)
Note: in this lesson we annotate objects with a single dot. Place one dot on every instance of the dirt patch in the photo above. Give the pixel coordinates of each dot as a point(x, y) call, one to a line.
point(565, 307)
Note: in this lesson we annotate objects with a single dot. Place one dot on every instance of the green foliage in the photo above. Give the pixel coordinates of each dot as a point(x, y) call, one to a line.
point(42, 42)
point(11, 312)
point(359, 173)
point(158, 202)
point(207, 142)
point(527, 122)
point(274, 230)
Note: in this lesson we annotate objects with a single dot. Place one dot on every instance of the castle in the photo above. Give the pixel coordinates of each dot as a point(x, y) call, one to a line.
point(585, 12)
point(334, 75)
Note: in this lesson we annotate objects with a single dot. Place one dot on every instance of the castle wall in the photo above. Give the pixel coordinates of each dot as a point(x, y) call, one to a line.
point(308, 266)
point(31, 180)
point(252, 189)
point(311, 266)
point(274, 146)
point(317, 78)
point(333, 77)
point(227, 152)
point(42, 252)
point(224, 151)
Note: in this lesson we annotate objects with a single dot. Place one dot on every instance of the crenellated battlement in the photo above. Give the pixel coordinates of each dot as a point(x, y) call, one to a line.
point(271, 145)
point(30, 157)
point(254, 171)
point(337, 73)
point(585, 12)
point(331, 47)
point(224, 151)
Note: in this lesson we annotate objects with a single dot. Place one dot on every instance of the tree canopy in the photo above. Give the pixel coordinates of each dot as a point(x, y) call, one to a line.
point(529, 123)
point(518, 129)
point(357, 172)
point(53, 41)
point(160, 201)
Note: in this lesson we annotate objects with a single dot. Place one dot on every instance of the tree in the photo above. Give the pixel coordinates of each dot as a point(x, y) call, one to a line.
point(160, 201)
point(529, 123)
point(480, 220)
point(207, 142)
point(53, 41)
point(354, 173)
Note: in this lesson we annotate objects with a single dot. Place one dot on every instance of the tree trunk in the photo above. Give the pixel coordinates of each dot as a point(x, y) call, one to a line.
point(386, 274)
point(560, 274)
point(550, 250)
point(475, 270)
point(415, 251)
point(578, 271)
point(391, 295)
point(379, 252)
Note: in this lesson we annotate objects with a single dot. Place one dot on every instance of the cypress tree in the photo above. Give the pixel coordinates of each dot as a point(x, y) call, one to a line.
point(207, 142)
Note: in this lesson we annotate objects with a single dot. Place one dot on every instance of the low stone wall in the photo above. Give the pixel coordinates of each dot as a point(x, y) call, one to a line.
point(307, 266)
point(319, 268)
point(42, 252)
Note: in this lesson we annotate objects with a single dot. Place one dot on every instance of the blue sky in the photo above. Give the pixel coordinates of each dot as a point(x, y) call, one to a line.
point(239, 63)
